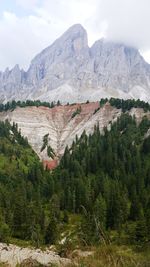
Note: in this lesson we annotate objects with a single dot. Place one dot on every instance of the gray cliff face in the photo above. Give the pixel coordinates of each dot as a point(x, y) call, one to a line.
point(70, 71)
point(66, 52)
point(12, 84)
point(118, 66)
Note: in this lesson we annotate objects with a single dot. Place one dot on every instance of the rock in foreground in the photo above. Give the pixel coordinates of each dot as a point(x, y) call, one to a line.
point(14, 255)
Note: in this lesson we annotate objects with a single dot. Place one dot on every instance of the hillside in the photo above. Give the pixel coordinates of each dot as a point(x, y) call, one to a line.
point(97, 196)
point(61, 124)
point(22, 186)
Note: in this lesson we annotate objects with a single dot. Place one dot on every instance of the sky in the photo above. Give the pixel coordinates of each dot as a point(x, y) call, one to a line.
point(28, 26)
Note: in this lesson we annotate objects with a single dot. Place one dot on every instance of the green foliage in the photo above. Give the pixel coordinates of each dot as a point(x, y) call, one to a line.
point(25, 189)
point(103, 102)
point(4, 232)
point(51, 234)
point(58, 103)
point(50, 151)
point(100, 211)
point(126, 105)
point(114, 256)
point(103, 177)
point(108, 175)
point(76, 112)
point(45, 142)
point(141, 231)
point(65, 217)
point(28, 103)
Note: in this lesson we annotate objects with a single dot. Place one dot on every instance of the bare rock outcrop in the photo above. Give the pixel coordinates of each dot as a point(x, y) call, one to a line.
point(13, 255)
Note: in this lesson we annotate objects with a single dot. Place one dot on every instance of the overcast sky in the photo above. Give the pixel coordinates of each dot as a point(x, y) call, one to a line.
point(28, 26)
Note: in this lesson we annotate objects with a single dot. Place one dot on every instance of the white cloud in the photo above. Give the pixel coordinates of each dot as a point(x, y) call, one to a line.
point(120, 20)
point(128, 21)
point(27, 4)
point(22, 38)
point(146, 55)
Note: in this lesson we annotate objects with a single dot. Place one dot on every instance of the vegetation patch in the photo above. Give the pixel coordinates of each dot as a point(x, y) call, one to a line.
point(45, 141)
point(127, 105)
point(28, 103)
point(50, 151)
point(76, 112)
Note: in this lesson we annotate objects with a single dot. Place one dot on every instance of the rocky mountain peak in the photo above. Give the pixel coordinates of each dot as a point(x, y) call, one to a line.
point(69, 71)
point(59, 58)
point(122, 65)
point(73, 40)
point(77, 35)
point(104, 48)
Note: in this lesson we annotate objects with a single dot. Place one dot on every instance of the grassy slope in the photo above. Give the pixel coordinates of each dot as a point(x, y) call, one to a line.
point(114, 256)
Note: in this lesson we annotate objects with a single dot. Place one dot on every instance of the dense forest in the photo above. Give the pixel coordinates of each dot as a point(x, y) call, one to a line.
point(103, 178)
point(25, 187)
point(107, 179)
point(125, 105)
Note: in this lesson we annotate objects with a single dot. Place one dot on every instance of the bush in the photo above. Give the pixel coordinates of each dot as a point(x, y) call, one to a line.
point(4, 232)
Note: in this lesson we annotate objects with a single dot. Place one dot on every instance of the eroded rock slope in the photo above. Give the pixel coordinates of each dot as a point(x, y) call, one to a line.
point(61, 124)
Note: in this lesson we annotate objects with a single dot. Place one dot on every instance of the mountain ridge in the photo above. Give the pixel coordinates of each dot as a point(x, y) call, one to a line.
point(70, 71)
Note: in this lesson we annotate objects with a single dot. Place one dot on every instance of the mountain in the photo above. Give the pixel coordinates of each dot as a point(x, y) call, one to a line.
point(70, 71)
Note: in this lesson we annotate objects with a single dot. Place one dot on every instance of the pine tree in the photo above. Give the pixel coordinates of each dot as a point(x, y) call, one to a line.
point(51, 232)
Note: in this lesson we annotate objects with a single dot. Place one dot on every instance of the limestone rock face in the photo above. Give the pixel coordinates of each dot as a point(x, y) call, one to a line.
point(70, 71)
point(61, 60)
point(118, 64)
